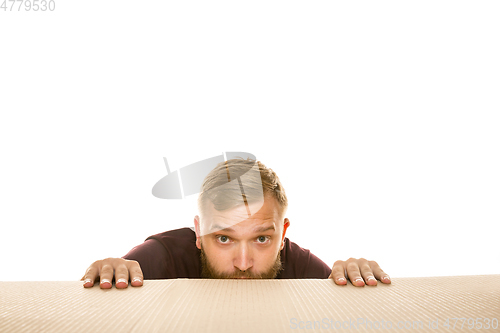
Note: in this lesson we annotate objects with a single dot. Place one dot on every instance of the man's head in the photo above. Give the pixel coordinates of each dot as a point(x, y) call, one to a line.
point(241, 227)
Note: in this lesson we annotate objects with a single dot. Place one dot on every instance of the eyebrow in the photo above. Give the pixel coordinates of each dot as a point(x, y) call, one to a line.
point(256, 230)
point(262, 229)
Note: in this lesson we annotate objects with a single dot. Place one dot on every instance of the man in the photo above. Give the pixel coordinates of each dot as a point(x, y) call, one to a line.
point(240, 233)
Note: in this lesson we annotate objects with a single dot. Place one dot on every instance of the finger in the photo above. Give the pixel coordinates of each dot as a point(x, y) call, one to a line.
point(90, 276)
point(366, 272)
point(106, 274)
point(121, 275)
point(379, 273)
point(353, 272)
point(338, 273)
point(135, 272)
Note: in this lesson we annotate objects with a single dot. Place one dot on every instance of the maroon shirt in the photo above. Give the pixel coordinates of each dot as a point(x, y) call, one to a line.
point(173, 254)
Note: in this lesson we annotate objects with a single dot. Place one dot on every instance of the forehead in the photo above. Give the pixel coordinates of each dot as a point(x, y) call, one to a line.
point(240, 218)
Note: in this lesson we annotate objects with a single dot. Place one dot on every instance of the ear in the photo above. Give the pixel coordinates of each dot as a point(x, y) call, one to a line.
point(197, 230)
point(286, 224)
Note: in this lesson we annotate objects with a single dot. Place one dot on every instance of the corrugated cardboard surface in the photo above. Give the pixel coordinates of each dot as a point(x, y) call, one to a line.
point(183, 305)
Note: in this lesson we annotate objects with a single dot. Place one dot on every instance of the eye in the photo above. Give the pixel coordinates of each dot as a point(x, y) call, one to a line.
point(262, 239)
point(223, 239)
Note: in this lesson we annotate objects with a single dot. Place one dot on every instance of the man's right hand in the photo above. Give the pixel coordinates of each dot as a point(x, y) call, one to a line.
point(123, 270)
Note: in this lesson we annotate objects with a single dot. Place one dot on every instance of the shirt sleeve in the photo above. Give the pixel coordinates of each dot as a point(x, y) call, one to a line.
point(152, 257)
point(316, 268)
point(300, 263)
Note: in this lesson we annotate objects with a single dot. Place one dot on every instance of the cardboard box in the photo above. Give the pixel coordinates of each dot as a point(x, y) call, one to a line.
point(199, 305)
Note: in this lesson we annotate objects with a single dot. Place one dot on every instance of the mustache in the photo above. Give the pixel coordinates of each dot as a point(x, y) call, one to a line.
point(208, 271)
point(239, 275)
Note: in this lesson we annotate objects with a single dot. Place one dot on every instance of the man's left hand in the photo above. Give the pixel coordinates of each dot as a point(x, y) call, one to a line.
point(359, 271)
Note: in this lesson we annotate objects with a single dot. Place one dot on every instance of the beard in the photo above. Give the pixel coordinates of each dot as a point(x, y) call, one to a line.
point(208, 271)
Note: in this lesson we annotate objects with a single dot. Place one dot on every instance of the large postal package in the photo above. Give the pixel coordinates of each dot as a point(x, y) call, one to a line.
point(428, 304)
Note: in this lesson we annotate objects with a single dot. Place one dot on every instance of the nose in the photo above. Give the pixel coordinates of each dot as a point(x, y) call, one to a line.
point(243, 259)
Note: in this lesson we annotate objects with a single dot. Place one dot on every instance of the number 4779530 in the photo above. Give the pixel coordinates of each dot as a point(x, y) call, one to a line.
point(28, 5)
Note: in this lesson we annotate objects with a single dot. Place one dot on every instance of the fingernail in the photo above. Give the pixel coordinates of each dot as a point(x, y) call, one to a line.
point(137, 280)
point(341, 279)
point(122, 281)
point(87, 281)
point(387, 278)
point(371, 278)
point(359, 280)
point(105, 281)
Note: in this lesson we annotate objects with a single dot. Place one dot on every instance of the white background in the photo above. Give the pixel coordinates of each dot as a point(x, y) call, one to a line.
point(381, 119)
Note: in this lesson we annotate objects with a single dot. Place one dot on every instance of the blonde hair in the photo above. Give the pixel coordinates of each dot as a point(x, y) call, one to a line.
point(226, 197)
